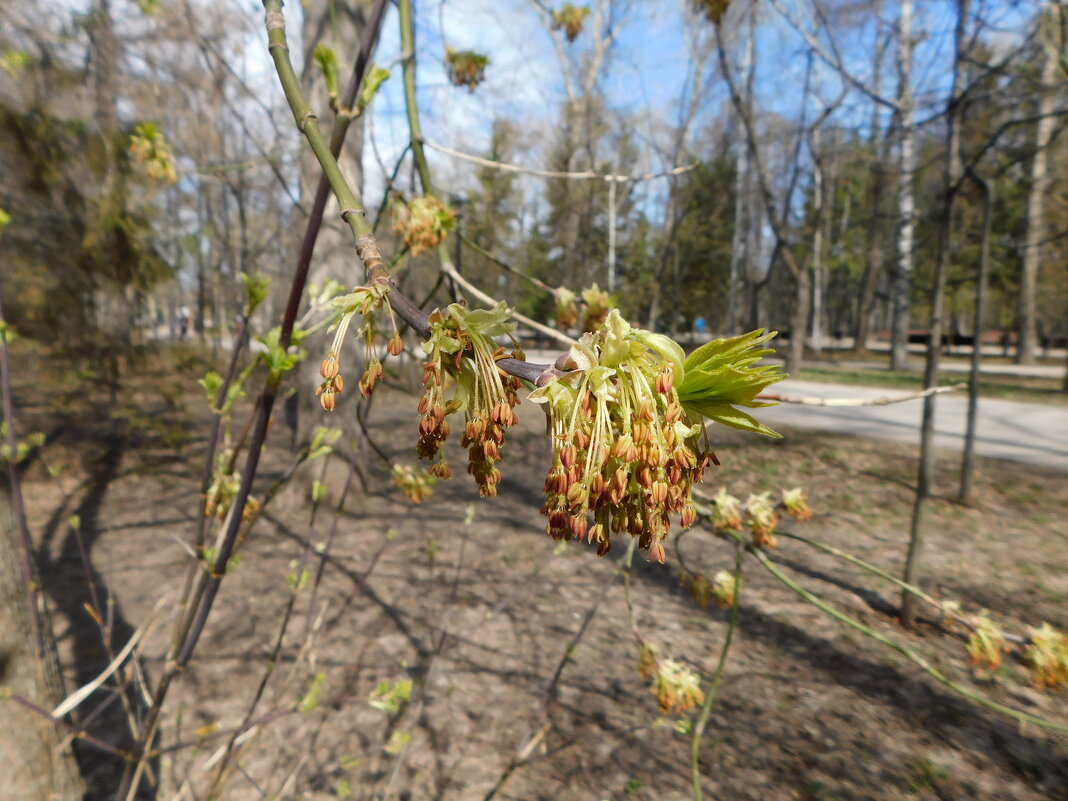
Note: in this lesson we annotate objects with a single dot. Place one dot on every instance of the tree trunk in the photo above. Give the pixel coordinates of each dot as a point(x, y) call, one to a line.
point(743, 186)
point(967, 468)
point(1027, 338)
point(32, 763)
point(339, 26)
point(902, 284)
point(798, 320)
point(909, 602)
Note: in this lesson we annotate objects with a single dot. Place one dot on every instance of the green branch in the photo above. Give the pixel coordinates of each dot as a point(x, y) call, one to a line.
point(706, 708)
point(905, 651)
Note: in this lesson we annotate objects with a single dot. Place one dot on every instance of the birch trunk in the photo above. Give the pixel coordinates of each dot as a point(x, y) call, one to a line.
point(1032, 261)
point(906, 202)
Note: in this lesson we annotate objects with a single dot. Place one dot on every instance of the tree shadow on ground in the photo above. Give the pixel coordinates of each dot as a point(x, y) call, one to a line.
point(75, 585)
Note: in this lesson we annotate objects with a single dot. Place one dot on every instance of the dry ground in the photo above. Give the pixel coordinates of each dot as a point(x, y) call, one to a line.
point(507, 637)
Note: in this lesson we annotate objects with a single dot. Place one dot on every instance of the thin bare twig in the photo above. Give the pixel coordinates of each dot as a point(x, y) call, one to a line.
point(884, 400)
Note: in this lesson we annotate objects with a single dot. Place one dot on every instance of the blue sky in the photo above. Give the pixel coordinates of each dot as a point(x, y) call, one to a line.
point(643, 78)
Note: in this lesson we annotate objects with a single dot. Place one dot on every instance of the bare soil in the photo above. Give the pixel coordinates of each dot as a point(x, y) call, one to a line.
point(524, 668)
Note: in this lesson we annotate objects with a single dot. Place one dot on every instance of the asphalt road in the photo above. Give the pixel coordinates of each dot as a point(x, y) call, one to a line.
point(1031, 433)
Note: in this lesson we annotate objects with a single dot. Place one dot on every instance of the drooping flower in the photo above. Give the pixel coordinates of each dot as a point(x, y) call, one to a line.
point(363, 300)
point(417, 485)
point(676, 687)
point(461, 343)
point(724, 588)
point(762, 520)
point(987, 643)
point(466, 67)
point(1047, 656)
point(423, 223)
point(796, 505)
point(726, 511)
point(566, 311)
point(597, 302)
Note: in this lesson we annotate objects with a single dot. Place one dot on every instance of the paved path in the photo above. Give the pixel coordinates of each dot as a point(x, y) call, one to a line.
point(1032, 433)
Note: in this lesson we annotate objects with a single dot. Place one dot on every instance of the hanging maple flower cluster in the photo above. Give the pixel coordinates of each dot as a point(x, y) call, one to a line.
point(423, 223)
point(596, 303)
point(364, 301)
point(151, 154)
point(466, 67)
point(461, 343)
point(625, 452)
point(417, 485)
point(760, 513)
point(565, 307)
point(571, 19)
point(676, 687)
point(627, 414)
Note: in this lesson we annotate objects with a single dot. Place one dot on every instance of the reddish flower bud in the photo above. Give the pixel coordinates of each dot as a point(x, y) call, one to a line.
point(688, 516)
point(579, 525)
point(395, 345)
point(441, 470)
point(577, 495)
point(327, 401)
point(328, 367)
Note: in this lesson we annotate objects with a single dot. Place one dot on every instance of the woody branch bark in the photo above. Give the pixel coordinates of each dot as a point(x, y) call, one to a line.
point(352, 212)
point(198, 604)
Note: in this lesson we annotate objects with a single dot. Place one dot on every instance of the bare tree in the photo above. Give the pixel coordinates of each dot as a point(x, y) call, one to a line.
point(953, 169)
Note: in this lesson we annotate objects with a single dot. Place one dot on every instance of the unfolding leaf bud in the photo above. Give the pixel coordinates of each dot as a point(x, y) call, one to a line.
point(564, 362)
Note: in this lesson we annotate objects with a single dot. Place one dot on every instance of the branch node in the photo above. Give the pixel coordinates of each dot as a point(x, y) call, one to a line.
point(345, 212)
point(305, 118)
point(370, 255)
point(276, 21)
point(278, 46)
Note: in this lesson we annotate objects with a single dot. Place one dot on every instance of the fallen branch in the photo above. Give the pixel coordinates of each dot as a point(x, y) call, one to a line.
point(79, 695)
